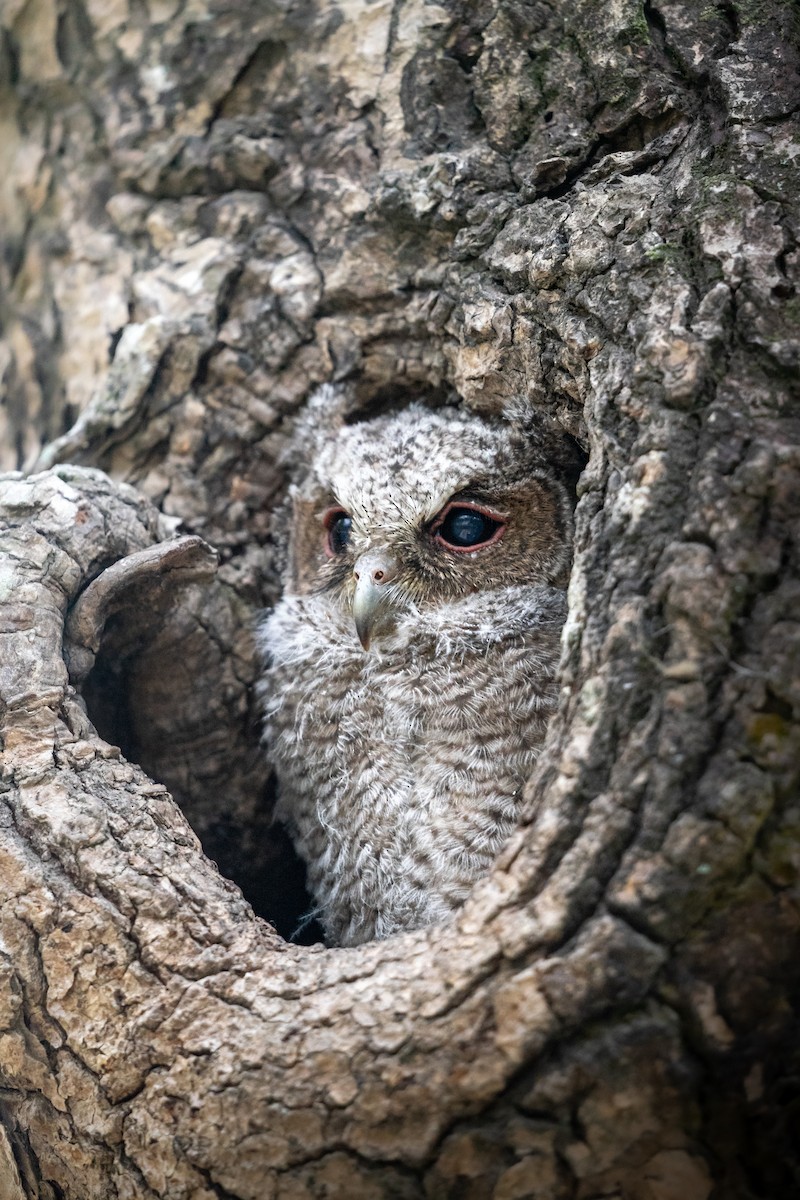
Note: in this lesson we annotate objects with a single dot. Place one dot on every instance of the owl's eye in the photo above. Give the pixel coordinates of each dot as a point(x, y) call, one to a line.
point(338, 524)
point(467, 527)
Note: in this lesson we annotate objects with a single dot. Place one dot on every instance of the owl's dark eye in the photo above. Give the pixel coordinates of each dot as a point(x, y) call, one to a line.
point(467, 527)
point(338, 524)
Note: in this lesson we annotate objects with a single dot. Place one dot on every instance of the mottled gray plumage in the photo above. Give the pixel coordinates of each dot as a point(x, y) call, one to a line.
point(400, 767)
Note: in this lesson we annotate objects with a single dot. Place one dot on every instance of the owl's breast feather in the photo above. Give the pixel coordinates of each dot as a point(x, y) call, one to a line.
point(400, 769)
point(315, 627)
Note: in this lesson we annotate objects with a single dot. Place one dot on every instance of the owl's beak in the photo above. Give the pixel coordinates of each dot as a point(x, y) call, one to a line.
point(372, 572)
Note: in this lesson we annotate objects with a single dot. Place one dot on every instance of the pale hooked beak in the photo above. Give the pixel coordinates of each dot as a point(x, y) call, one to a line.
point(373, 571)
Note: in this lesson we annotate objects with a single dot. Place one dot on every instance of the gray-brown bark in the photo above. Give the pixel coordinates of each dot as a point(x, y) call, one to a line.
point(207, 210)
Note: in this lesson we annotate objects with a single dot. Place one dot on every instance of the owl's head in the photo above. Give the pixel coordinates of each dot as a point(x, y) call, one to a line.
point(424, 507)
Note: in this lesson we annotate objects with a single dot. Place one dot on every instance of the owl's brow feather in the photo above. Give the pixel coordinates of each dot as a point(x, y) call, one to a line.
point(425, 512)
point(365, 516)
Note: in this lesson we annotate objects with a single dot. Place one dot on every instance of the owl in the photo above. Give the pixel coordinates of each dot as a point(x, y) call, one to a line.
point(410, 663)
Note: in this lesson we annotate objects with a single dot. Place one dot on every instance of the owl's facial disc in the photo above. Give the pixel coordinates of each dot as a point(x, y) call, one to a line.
point(373, 572)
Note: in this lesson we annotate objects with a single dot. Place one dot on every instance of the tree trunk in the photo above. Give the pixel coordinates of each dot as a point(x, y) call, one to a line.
point(207, 210)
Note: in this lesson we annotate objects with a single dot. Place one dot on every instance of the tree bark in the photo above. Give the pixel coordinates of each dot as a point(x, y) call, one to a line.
point(207, 210)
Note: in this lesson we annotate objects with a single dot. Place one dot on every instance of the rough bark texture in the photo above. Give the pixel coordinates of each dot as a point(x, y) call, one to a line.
point(207, 209)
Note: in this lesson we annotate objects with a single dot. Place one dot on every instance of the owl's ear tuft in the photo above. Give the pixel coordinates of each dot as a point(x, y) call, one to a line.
point(324, 413)
point(548, 440)
point(334, 405)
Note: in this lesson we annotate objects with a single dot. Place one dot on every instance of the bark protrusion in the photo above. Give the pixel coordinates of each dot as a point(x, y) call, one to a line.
point(168, 565)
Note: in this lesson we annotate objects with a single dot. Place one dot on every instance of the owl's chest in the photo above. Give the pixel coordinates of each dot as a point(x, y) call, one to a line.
point(399, 770)
point(369, 738)
point(355, 729)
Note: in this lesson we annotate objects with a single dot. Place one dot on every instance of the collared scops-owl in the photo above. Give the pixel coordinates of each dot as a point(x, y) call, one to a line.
point(410, 664)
